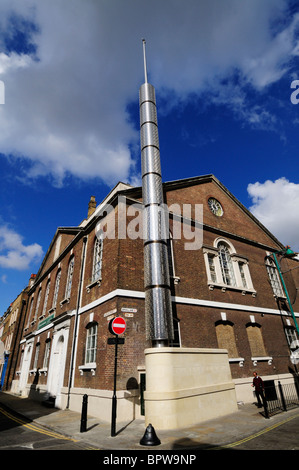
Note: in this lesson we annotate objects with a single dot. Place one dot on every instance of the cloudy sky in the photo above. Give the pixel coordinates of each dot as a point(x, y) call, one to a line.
point(225, 75)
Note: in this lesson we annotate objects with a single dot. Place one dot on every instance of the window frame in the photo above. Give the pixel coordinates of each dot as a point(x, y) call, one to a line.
point(291, 336)
point(56, 288)
point(47, 291)
point(47, 354)
point(36, 356)
point(96, 275)
point(238, 265)
point(39, 295)
point(91, 344)
point(69, 279)
point(275, 284)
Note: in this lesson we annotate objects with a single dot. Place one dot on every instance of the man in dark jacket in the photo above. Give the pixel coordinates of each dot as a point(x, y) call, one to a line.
point(258, 384)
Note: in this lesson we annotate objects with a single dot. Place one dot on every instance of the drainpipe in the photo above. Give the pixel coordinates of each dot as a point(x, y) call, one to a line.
point(76, 323)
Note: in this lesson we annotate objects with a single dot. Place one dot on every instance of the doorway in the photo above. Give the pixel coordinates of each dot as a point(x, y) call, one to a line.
point(57, 367)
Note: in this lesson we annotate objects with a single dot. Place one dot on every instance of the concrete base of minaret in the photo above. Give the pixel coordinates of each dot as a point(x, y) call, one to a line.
point(186, 386)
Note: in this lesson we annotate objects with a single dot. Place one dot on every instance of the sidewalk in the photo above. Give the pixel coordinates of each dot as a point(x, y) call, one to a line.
point(223, 431)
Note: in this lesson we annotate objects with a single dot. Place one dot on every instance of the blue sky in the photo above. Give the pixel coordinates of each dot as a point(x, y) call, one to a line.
point(69, 127)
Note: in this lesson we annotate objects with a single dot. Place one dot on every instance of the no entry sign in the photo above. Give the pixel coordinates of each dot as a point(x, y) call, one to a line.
point(118, 325)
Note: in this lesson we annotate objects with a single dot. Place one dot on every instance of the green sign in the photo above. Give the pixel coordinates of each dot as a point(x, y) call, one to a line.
point(45, 322)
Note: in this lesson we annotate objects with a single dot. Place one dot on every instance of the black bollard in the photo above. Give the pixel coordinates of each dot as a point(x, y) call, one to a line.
point(84, 414)
point(150, 437)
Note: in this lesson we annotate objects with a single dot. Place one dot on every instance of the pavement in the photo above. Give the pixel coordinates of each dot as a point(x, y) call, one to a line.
point(225, 432)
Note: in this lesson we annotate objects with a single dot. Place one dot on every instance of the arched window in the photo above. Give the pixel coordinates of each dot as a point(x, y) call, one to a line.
point(69, 280)
point(226, 268)
point(97, 258)
point(37, 303)
point(30, 310)
point(226, 265)
point(57, 282)
point(47, 354)
point(36, 356)
point(46, 298)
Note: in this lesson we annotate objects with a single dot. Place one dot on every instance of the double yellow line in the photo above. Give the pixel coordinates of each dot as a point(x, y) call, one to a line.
point(253, 436)
point(33, 427)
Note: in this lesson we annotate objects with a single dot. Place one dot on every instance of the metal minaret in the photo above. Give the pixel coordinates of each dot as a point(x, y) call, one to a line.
point(158, 309)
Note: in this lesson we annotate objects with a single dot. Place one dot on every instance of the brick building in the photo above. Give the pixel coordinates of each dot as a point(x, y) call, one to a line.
point(226, 294)
point(11, 331)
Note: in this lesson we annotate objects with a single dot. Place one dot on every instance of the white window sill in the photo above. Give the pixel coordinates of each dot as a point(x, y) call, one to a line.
point(91, 366)
point(268, 359)
point(225, 287)
point(240, 360)
point(66, 300)
point(97, 282)
point(279, 297)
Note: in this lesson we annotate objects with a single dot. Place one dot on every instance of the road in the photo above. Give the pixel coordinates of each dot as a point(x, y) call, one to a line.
point(18, 433)
point(280, 436)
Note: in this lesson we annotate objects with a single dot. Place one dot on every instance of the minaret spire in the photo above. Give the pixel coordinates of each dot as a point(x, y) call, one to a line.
point(158, 309)
point(144, 61)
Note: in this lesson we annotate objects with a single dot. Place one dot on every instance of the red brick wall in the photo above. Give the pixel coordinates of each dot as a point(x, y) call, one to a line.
point(122, 268)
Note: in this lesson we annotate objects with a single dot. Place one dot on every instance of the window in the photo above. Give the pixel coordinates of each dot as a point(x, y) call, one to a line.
point(91, 343)
point(212, 268)
point(226, 265)
point(274, 277)
point(37, 304)
point(97, 259)
point(242, 273)
point(57, 282)
point(36, 356)
point(227, 269)
point(46, 298)
point(292, 337)
point(174, 279)
point(47, 354)
point(69, 280)
point(30, 310)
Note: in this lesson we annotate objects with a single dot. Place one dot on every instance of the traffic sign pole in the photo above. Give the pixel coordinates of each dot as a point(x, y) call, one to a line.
point(114, 400)
point(117, 326)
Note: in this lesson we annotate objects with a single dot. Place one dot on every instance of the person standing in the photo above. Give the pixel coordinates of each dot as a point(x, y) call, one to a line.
point(258, 385)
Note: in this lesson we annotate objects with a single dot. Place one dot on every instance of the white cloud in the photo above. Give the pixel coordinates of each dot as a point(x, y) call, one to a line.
point(275, 204)
point(14, 254)
point(66, 105)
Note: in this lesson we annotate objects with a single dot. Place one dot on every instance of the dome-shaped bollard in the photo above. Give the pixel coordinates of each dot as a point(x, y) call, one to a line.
point(150, 437)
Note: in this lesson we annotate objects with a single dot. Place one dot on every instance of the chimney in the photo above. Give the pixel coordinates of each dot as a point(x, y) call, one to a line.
point(91, 206)
point(31, 280)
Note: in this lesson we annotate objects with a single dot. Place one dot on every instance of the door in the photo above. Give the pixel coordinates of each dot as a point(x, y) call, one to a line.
point(25, 369)
point(57, 368)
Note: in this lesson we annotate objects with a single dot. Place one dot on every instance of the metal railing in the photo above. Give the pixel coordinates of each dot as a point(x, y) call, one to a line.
point(280, 398)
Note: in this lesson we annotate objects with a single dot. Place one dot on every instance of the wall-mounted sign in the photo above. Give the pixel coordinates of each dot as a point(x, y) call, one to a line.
point(107, 314)
point(45, 322)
